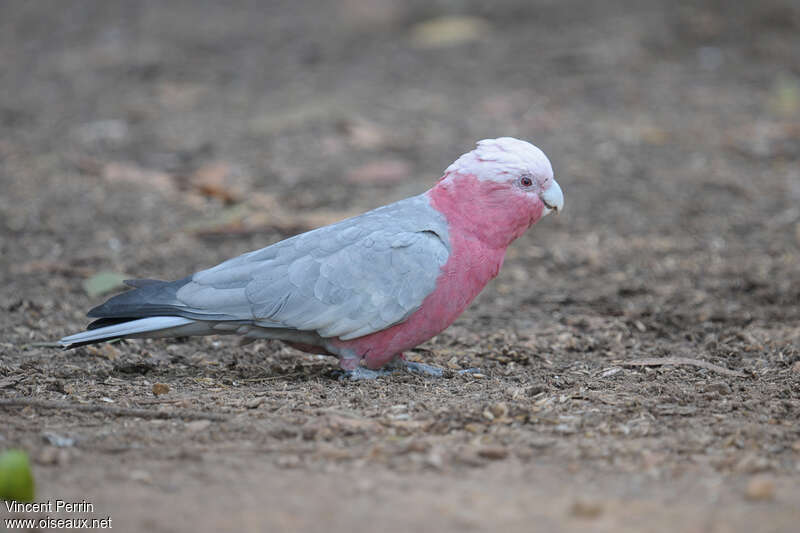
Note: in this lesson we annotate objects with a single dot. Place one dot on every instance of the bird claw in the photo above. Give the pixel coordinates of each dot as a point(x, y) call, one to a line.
point(430, 370)
point(422, 368)
point(362, 373)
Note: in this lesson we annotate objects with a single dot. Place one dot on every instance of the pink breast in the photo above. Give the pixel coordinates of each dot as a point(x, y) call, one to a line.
point(470, 266)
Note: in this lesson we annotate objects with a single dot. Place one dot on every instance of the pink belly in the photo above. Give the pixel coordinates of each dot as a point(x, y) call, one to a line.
point(471, 265)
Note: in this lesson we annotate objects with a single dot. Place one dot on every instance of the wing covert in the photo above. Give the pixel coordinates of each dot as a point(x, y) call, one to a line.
point(346, 280)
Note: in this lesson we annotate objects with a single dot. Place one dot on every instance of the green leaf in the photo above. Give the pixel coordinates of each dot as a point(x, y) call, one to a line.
point(104, 282)
point(16, 479)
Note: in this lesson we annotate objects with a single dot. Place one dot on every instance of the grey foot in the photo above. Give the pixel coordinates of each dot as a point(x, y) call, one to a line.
point(422, 368)
point(362, 372)
point(434, 371)
point(427, 370)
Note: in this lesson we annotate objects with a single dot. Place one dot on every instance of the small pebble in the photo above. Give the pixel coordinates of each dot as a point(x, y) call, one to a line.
point(59, 441)
point(50, 455)
point(160, 388)
point(586, 509)
point(494, 453)
point(499, 410)
point(197, 425)
point(718, 388)
point(254, 403)
point(142, 476)
point(416, 446)
point(760, 489)
point(288, 461)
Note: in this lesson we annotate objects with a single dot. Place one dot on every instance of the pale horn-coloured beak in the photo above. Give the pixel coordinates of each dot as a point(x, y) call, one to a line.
point(553, 198)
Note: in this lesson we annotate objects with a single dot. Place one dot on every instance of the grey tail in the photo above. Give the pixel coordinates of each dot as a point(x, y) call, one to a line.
point(150, 297)
point(151, 309)
point(155, 326)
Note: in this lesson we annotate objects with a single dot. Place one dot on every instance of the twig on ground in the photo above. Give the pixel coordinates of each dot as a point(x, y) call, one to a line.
point(110, 409)
point(160, 402)
point(272, 378)
point(659, 361)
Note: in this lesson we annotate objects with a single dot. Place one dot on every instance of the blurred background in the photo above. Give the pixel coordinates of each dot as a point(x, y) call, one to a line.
point(658, 116)
point(153, 139)
point(159, 138)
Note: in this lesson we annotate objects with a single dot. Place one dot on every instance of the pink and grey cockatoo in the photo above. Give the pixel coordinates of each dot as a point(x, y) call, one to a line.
point(364, 289)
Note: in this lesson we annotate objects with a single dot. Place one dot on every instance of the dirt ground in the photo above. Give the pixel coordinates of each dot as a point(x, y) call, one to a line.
point(640, 354)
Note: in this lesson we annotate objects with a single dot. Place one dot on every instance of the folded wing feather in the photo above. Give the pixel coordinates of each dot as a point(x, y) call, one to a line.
point(346, 280)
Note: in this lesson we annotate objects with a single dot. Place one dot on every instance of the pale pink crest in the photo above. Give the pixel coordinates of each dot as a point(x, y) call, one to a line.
point(502, 158)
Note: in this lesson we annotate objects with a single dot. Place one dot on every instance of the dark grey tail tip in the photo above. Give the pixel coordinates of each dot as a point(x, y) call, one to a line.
point(108, 321)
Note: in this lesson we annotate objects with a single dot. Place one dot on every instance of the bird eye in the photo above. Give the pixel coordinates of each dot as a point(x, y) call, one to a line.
point(525, 181)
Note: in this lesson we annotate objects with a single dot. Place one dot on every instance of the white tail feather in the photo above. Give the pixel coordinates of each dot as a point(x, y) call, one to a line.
point(128, 329)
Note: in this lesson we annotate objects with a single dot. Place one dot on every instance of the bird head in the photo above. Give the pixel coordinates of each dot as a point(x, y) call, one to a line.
point(500, 188)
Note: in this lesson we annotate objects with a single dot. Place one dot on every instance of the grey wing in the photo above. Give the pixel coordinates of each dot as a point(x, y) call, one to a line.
point(348, 282)
point(375, 282)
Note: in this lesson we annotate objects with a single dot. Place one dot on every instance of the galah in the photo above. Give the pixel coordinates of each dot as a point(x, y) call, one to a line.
point(364, 289)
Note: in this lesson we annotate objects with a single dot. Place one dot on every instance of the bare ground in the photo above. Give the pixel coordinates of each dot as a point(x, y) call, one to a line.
point(640, 354)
